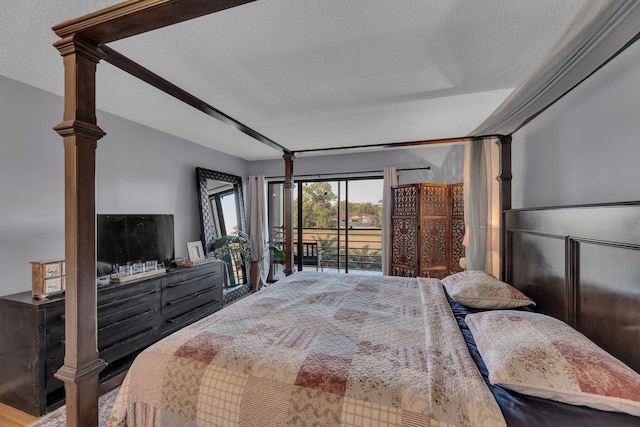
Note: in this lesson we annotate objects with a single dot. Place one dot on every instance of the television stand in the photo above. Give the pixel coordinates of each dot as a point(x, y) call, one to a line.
point(131, 316)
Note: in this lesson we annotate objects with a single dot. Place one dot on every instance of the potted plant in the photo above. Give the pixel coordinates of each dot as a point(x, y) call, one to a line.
point(239, 246)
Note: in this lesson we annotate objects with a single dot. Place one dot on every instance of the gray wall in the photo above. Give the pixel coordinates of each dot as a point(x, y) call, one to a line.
point(138, 170)
point(446, 163)
point(586, 147)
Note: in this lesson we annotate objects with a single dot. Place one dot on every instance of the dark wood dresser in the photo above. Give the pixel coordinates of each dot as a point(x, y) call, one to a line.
point(131, 316)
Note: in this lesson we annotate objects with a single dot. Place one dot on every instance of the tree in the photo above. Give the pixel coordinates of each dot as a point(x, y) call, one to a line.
point(373, 210)
point(317, 205)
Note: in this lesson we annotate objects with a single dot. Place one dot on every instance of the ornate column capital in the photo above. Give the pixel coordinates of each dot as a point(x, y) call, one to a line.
point(76, 44)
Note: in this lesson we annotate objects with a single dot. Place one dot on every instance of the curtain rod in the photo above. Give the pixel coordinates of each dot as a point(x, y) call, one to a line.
point(339, 173)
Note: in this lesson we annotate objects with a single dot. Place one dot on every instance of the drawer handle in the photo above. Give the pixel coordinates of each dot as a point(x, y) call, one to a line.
point(179, 300)
point(128, 340)
point(185, 283)
point(175, 319)
point(120, 300)
point(126, 320)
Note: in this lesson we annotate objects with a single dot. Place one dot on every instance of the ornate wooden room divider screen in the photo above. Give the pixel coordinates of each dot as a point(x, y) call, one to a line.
point(427, 230)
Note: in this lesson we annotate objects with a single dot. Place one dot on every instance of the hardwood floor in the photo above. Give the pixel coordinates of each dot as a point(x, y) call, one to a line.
point(10, 417)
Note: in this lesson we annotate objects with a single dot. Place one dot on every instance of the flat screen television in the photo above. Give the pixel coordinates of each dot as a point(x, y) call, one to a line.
point(130, 238)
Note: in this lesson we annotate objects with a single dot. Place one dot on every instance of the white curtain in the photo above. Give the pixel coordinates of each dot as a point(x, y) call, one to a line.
point(390, 180)
point(257, 227)
point(482, 205)
point(596, 31)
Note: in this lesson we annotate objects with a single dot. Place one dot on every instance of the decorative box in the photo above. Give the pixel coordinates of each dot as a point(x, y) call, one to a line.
point(48, 277)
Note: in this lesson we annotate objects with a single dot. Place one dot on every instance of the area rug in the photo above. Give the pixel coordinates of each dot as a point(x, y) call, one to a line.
point(58, 418)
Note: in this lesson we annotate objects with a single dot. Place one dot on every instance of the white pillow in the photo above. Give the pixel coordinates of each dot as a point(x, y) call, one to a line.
point(478, 289)
point(541, 356)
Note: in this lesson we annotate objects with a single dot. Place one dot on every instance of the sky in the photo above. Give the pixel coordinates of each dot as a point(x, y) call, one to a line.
point(368, 190)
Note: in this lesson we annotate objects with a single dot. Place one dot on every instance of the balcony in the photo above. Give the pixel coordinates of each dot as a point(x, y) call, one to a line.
point(356, 250)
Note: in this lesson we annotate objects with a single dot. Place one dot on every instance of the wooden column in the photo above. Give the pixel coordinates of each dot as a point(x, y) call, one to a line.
point(80, 134)
point(505, 198)
point(288, 212)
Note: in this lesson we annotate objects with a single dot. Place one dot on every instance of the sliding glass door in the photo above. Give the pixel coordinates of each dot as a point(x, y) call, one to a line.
point(361, 225)
point(340, 219)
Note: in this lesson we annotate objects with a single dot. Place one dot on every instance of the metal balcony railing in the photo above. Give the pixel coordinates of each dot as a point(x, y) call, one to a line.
point(358, 248)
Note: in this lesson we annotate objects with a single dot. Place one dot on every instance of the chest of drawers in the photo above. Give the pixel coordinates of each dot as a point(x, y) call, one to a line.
point(131, 316)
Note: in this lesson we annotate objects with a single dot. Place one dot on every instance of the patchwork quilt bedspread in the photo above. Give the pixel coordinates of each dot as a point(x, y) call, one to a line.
point(314, 349)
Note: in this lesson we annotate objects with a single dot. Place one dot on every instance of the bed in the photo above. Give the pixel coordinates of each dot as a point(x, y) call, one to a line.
point(329, 349)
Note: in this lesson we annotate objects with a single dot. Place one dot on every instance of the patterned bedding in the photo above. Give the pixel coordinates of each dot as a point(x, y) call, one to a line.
point(314, 349)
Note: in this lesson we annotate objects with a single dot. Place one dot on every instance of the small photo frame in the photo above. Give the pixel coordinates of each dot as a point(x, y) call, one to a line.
point(195, 251)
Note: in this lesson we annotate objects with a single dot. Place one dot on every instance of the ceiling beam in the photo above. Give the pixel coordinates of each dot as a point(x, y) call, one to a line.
point(396, 144)
point(139, 16)
point(125, 64)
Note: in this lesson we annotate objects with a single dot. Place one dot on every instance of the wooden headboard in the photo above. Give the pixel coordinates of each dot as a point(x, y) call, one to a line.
point(581, 264)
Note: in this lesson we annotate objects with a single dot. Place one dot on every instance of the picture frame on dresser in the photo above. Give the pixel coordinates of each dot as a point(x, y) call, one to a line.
point(195, 251)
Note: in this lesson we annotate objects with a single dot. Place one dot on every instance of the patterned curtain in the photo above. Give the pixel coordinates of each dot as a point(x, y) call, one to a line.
point(390, 180)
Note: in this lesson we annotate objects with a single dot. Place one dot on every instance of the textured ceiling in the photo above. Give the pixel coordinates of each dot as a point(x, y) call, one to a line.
point(308, 74)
